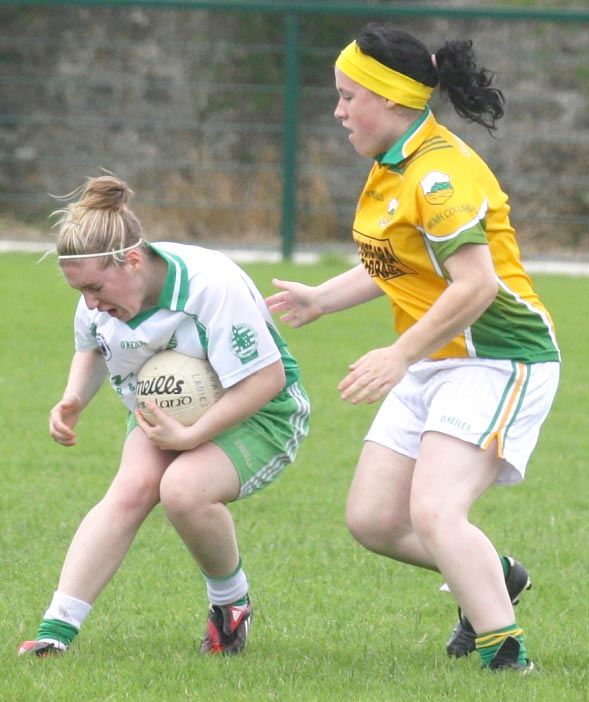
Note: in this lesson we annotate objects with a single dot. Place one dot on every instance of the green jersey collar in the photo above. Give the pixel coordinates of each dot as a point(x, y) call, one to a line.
point(174, 294)
point(410, 141)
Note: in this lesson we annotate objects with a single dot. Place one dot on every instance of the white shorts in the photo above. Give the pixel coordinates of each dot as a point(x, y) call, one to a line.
point(474, 399)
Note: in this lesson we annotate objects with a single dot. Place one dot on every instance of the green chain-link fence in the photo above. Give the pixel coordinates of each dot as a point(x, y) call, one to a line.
point(220, 114)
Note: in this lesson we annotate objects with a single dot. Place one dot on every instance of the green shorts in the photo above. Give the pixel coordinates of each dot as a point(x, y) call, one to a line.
point(265, 444)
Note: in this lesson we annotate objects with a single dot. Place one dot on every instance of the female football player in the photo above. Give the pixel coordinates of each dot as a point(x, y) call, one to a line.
point(137, 299)
point(473, 372)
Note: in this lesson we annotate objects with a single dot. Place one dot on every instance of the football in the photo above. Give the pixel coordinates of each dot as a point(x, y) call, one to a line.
point(184, 387)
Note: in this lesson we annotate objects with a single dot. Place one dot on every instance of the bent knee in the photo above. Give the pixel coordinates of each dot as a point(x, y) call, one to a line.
point(178, 498)
point(371, 528)
point(356, 521)
point(434, 521)
point(134, 496)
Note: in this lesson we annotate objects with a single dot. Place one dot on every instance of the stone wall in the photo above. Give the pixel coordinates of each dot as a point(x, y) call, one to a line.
point(188, 107)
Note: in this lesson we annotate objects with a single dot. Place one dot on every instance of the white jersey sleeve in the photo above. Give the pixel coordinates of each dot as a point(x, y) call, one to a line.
point(232, 317)
point(84, 339)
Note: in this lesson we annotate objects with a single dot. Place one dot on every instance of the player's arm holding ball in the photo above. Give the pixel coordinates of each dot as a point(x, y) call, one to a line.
point(239, 402)
point(241, 350)
point(87, 373)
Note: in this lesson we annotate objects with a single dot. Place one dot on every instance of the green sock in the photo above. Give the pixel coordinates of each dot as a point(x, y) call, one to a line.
point(489, 643)
point(241, 602)
point(506, 565)
point(58, 630)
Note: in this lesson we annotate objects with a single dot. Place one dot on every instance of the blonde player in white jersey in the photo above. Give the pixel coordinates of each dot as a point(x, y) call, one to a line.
point(138, 299)
point(472, 375)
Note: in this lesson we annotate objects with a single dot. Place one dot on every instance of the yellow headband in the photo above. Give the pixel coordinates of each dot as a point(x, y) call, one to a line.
point(382, 80)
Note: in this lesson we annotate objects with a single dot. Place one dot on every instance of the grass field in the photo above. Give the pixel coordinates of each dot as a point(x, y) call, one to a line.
point(332, 621)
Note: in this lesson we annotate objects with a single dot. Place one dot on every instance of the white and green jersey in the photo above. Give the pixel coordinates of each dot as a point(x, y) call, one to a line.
point(208, 308)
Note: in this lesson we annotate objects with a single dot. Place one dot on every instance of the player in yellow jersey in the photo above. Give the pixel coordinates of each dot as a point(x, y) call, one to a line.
point(473, 373)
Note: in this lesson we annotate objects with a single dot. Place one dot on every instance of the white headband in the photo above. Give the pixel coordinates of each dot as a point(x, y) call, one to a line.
point(102, 253)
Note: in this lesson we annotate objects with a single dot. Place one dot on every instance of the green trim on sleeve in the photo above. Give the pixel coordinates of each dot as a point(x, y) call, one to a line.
point(444, 247)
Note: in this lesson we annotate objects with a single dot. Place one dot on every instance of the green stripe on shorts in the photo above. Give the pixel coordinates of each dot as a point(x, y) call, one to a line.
point(265, 444)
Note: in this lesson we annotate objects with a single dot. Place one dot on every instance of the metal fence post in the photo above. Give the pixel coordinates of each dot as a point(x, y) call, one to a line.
point(290, 123)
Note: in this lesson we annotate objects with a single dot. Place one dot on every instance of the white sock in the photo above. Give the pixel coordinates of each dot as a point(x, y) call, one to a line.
point(224, 591)
point(68, 609)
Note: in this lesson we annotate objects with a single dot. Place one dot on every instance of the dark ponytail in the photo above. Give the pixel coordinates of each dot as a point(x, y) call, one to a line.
point(453, 68)
point(467, 87)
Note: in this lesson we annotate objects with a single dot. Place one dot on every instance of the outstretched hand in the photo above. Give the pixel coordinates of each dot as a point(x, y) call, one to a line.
point(296, 301)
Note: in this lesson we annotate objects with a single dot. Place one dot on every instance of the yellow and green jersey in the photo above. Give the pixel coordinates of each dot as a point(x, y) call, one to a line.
point(425, 198)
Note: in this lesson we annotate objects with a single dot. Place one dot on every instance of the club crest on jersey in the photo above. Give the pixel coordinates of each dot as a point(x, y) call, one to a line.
point(391, 209)
point(437, 187)
point(244, 342)
point(103, 346)
point(173, 343)
point(392, 206)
